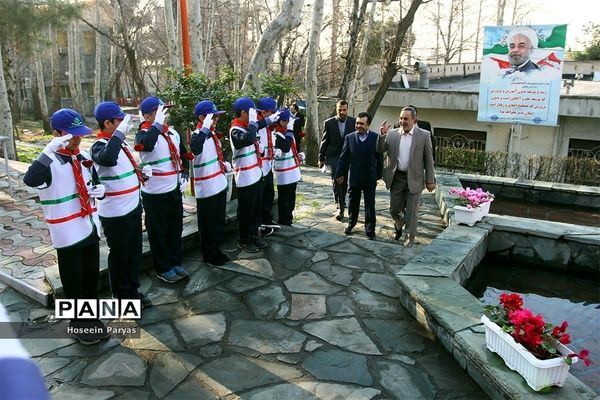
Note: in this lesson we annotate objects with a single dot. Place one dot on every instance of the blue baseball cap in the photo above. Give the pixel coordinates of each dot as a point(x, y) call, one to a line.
point(108, 110)
point(150, 104)
point(284, 115)
point(69, 121)
point(266, 104)
point(243, 104)
point(207, 107)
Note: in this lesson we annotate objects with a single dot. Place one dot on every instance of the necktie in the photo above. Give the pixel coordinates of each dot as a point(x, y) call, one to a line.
point(84, 197)
point(175, 158)
point(133, 163)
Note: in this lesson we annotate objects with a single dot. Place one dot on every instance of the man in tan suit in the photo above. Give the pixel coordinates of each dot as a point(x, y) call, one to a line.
point(408, 169)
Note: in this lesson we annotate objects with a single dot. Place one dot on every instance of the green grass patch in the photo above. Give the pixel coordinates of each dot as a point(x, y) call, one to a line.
point(27, 154)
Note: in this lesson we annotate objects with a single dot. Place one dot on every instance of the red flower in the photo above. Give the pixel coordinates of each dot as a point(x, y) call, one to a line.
point(511, 301)
point(565, 339)
point(138, 147)
point(87, 163)
point(530, 330)
point(188, 155)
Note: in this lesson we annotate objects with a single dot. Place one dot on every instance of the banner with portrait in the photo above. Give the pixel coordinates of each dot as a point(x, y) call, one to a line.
point(521, 74)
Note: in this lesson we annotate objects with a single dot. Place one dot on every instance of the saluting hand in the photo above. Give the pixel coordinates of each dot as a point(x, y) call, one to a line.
point(385, 126)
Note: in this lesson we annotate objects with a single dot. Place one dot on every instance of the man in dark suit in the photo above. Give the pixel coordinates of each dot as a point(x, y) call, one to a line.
point(426, 126)
point(521, 43)
point(335, 129)
point(359, 154)
point(298, 125)
point(408, 170)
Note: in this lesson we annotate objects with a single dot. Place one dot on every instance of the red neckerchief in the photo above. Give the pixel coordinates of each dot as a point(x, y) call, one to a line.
point(238, 123)
point(217, 146)
point(269, 143)
point(107, 136)
point(84, 197)
point(295, 153)
point(175, 158)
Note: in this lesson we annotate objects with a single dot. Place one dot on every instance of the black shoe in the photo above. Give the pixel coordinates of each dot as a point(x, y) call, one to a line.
point(260, 244)
point(214, 260)
point(271, 224)
point(145, 300)
point(223, 257)
point(265, 231)
point(340, 215)
point(88, 332)
point(398, 234)
point(371, 236)
point(249, 247)
point(348, 229)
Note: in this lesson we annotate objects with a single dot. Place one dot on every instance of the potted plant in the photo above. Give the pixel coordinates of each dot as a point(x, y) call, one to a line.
point(527, 344)
point(471, 204)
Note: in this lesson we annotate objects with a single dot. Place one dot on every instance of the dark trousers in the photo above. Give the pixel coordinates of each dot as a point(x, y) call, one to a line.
point(124, 239)
point(354, 194)
point(79, 268)
point(286, 202)
point(164, 224)
point(211, 223)
point(249, 211)
point(298, 140)
point(339, 189)
point(268, 196)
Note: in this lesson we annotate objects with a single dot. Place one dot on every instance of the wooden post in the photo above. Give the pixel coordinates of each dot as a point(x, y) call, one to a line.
point(185, 38)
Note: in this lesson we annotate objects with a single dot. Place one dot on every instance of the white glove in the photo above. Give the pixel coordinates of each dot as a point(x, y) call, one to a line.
point(252, 115)
point(228, 167)
point(57, 143)
point(184, 182)
point(271, 119)
point(96, 191)
point(161, 115)
point(125, 125)
point(290, 125)
point(302, 157)
point(141, 116)
point(147, 170)
point(207, 123)
point(277, 153)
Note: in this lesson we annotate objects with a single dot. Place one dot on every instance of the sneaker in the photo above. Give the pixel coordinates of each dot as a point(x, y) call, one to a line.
point(145, 300)
point(271, 224)
point(169, 276)
point(260, 244)
point(179, 270)
point(265, 231)
point(249, 247)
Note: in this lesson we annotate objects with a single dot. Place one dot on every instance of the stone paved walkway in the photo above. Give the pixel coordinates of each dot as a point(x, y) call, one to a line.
point(315, 315)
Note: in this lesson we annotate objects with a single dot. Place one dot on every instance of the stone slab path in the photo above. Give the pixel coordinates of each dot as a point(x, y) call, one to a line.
point(314, 316)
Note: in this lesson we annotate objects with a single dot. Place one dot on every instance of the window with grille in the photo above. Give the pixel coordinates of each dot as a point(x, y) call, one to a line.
point(581, 148)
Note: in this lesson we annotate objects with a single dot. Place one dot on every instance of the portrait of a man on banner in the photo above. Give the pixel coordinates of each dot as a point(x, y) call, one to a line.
point(521, 74)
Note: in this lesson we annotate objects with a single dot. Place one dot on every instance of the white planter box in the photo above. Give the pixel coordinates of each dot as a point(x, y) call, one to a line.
point(467, 216)
point(538, 373)
point(485, 208)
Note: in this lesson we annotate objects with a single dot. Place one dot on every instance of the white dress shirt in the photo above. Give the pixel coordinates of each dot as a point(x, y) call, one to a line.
point(404, 152)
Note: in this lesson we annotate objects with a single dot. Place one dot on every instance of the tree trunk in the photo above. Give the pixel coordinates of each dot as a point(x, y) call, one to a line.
point(41, 87)
point(6, 122)
point(195, 22)
point(462, 30)
point(55, 66)
point(74, 72)
point(390, 66)
point(112, 73)
point(11, 83)
point(357, 18)
point(358, 77)
point(139, 87)
point(500, 12)
point(335, 27)
point(312, 111)
point(98, 61)
point(477, 31)
point(289, 18)
point(172, 42)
